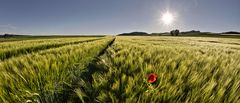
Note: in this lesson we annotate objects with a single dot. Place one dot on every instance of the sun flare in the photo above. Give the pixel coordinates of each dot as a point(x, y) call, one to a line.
point(167, 18)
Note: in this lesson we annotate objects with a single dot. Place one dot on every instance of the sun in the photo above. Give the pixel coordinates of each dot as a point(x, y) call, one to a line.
point(167, 18)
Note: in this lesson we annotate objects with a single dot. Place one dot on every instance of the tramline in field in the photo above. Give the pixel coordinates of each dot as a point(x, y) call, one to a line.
point(9, 49)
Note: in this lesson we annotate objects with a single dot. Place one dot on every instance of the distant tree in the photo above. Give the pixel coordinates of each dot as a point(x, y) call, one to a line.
point(6, 35)
point(175, 32)
point(172, 32)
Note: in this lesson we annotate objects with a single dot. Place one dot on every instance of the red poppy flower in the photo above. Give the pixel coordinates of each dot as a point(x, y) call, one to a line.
point(152, 78)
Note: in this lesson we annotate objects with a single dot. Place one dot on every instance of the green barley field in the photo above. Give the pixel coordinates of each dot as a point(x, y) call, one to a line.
point(116, 69)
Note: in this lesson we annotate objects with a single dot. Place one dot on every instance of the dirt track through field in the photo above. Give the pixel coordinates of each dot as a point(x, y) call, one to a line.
point(87, 76)
point(104, 50)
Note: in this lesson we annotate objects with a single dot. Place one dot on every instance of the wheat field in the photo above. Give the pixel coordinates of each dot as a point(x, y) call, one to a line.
point(116, 69)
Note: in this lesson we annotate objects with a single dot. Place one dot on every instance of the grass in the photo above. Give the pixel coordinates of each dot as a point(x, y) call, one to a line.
point(188, 69)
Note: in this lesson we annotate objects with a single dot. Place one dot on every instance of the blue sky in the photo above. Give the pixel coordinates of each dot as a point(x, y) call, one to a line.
point(116, 16)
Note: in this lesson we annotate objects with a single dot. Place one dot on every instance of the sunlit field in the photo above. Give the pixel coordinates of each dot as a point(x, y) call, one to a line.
point(119, 69)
